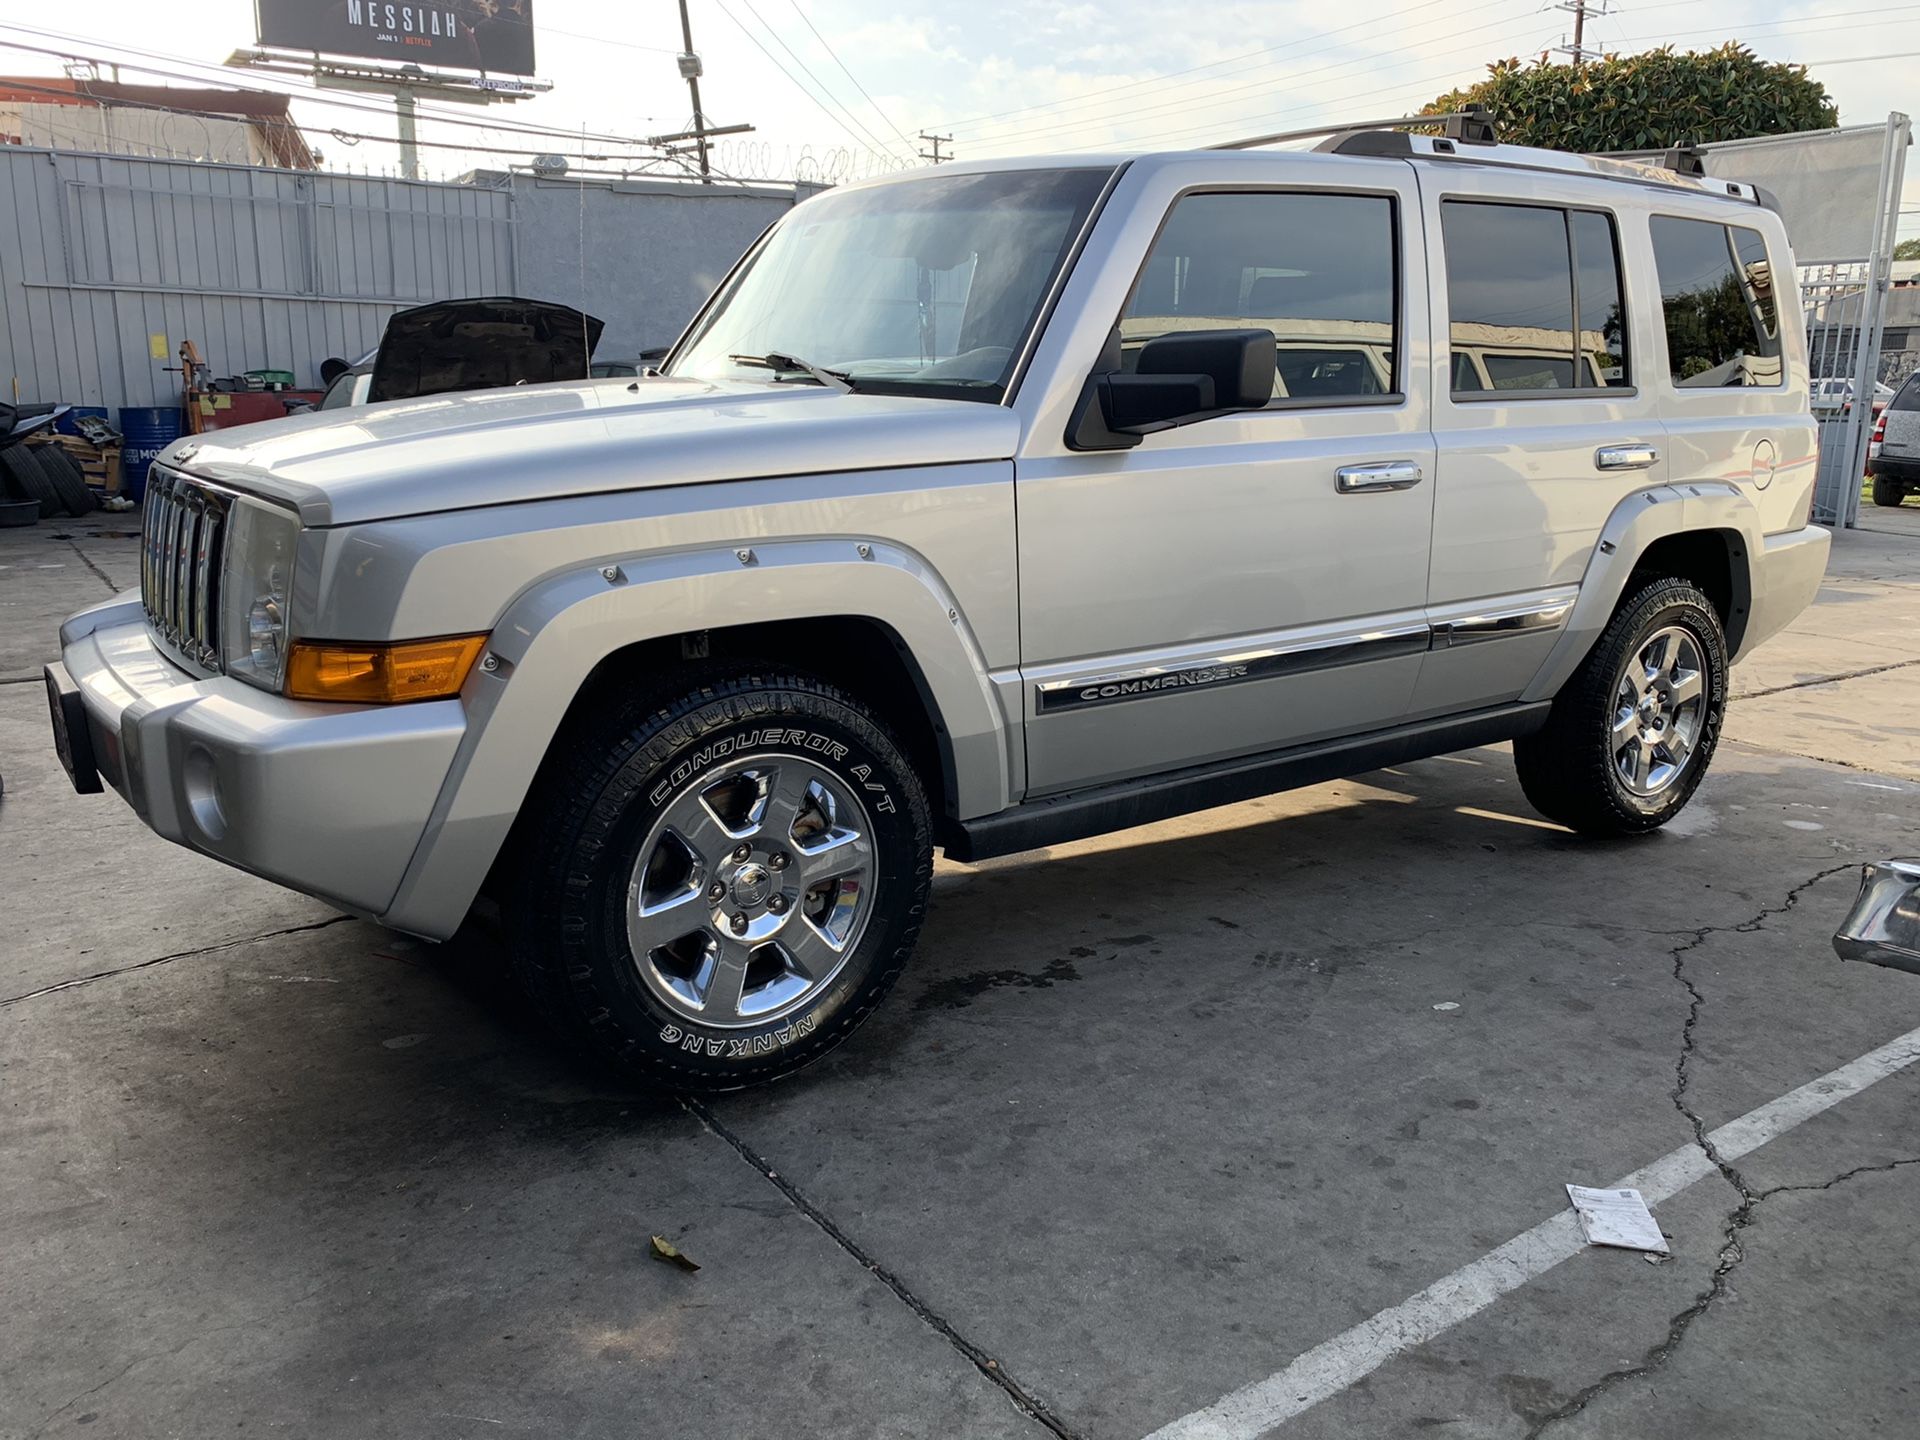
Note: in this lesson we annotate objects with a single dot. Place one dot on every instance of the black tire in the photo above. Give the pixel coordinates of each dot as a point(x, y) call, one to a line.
point(1888, 492)
point(612, 775)
point(1567, 768)
point(26, 480)
point(68, 481)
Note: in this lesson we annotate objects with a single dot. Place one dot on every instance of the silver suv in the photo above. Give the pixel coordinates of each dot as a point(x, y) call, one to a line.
point(982, 508)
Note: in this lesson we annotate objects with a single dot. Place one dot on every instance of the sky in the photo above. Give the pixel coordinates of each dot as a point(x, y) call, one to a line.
point(837, 89)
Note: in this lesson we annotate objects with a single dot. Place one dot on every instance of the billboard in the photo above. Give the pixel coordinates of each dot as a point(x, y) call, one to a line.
point(494, 35)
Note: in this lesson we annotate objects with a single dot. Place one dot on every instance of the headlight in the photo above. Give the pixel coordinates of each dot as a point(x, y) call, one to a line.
point(256, 589)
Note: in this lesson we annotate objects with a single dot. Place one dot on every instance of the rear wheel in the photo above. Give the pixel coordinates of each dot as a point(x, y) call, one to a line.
point(1630, 737)
point(1888, 492)
point(716, 888)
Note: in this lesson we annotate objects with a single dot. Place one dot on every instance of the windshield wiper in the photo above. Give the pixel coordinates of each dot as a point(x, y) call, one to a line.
point(776, 360)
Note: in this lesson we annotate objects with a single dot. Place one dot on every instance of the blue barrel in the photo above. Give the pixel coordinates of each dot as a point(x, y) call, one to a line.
point(69, 423)
point(148, 429)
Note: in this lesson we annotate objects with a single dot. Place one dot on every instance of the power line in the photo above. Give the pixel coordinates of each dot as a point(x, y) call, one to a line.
point(969, 120)
point(1580, 10)
point(345, 136)
point(871, 138)
point(305, 94)
point(849, 74)
point(1223, 95)
point(934, 154)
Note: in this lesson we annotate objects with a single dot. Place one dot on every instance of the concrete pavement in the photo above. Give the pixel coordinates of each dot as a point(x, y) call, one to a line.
point(1149, 1118)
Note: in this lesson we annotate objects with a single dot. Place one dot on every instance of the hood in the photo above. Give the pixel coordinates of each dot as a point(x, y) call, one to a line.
point(497, 447)
point(473, 344)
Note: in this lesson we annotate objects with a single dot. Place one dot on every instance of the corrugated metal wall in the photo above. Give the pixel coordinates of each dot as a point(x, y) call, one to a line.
point(262, 269)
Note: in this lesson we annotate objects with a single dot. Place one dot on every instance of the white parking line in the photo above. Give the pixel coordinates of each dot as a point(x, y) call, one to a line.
point(1331, 1367)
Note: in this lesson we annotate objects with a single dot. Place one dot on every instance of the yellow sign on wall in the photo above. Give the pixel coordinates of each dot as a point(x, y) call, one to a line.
point(157, 347)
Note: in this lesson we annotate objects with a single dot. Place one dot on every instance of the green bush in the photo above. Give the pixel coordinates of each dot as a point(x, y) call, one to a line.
point(1648, 101)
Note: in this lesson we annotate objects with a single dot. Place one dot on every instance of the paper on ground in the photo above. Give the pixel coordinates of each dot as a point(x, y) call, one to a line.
point(1617, 1217)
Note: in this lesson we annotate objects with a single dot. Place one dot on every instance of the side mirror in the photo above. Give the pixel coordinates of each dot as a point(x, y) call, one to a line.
point(1883, 927)
point(1178, 379)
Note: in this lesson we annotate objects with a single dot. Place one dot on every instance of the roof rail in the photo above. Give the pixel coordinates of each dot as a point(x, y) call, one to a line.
point(1681, 159)
point(1356, 127)
point(1682, 168)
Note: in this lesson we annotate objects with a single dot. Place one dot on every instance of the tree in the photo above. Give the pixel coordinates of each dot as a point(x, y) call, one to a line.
point(1907, 250)
point(1648, 101)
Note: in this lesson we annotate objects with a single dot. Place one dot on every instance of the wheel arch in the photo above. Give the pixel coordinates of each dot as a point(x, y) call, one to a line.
point(567, 638)
point(860, 654)
point(1705, 533)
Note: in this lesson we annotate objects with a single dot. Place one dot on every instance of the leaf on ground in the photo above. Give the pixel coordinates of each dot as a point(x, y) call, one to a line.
point(665, 1250)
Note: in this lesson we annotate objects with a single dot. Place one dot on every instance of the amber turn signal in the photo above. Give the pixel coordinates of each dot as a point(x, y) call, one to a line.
point(381, 674)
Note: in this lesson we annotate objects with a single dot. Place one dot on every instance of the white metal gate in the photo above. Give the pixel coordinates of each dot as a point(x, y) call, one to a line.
point(1841, 211)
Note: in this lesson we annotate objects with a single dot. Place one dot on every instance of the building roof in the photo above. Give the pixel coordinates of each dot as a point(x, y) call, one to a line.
point(267, 113)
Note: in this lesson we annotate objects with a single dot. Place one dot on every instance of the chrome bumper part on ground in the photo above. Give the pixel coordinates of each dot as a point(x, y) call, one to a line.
point(1883, 927)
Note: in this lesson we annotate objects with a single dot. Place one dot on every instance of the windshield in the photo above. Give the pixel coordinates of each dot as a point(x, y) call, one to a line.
point(927, 285)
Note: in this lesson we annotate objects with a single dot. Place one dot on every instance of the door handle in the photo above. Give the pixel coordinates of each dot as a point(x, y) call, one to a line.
point(1385, 475)
point(1632, 456)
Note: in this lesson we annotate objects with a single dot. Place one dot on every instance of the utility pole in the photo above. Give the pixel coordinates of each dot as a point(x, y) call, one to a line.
point(690, 72)
point(1580, 10)
point(404, 114)
point(934, 154)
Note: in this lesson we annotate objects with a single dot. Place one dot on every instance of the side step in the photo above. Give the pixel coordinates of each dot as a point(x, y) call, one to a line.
point(1074, 815)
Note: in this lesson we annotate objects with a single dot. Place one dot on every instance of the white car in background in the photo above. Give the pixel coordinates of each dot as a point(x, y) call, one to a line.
point(1834, 398)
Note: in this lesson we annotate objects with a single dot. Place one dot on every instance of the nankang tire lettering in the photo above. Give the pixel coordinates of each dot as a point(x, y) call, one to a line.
point(739, 1047)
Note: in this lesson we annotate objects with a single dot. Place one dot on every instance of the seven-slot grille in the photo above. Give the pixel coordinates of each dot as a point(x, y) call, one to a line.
point(186, 527)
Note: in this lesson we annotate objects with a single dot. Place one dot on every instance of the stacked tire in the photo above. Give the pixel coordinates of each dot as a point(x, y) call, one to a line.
point(47, 476)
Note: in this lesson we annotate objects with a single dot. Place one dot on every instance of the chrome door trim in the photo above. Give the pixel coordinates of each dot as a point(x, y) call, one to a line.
point(1500, 617)
point(1383, 475)
point(1113, 687)
point(1634, 455)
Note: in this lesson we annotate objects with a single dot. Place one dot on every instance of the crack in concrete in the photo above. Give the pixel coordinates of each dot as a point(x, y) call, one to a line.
point(87, 560)
point(139, 1360)
point(1823, 680)
point(1023, 1399)
point(1731, 1252)
point(1881, 1168)
point(78, 981)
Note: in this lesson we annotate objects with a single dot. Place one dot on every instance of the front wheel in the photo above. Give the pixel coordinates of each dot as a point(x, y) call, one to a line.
point(1630, 737)
point(718, 889)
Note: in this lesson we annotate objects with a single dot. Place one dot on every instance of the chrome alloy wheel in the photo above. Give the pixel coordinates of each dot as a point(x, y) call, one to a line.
point(1659, 707)
point(751, 890)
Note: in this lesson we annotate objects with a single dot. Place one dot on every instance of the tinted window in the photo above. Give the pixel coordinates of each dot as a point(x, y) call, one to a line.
point(1603, 316)
point(1316, 270)
point(1908, 397)
point(1717, 296)
point(1518, 276)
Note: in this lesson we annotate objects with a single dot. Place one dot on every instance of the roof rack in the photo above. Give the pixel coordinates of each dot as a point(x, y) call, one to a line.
point(1455, 123)
point(1681, 159)
point(1470, 134)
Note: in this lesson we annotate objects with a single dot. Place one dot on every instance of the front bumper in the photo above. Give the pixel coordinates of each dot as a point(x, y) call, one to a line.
point(331, 800)
point(1785, 575)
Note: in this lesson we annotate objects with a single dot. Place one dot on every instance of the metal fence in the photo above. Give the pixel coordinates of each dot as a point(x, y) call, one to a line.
point(118, 259)
point(1839, 314)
